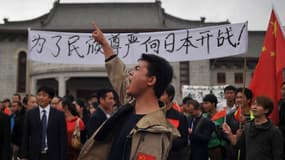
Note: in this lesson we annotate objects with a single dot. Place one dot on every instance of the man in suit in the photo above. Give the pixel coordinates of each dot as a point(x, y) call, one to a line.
point(5, 149)
point(179, 121)
point(200, 131)
point(103, 111)
point(45, 136)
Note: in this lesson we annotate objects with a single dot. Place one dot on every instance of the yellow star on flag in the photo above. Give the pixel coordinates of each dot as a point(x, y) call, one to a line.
point(263, 49)
point(274, 25)
point(272, 53)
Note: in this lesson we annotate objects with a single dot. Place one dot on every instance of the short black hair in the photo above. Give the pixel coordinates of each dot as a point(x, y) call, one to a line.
point(266, 103)
point(102, 93)
point(282, 83)
point(48, 90)
point(161, 69)
point(170, 91)
point(92, 96)
point(59, 98)
point(186, 99)
point(230, 88)
point(6, 100)
point(210, 98)
point(196, 104)
point(18, 95)
point(70, 97)
point(25, 100)
point(247, 92)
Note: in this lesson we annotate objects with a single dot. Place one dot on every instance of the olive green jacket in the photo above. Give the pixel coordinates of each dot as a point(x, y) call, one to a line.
point(152, 136)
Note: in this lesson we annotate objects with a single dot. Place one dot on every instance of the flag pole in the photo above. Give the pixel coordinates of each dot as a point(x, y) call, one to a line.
point(29, 66)
point(244, 81)
point(243, 88)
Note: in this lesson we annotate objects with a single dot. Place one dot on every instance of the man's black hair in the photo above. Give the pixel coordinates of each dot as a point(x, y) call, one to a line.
point(18, 95)
point(170, 91)
point(48, 90)
point(25, 100)
point(186, 99)
point(102, 93)
point(161, 69)
point(92, 96)
point(196, 104)
point(210, 98)
point(230, 88)
point(247, 92)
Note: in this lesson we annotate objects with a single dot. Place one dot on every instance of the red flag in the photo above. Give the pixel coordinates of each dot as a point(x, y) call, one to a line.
point(220, 115)
point(142, 156)
point(174, 122)
point(267, 77)
point(176, 107)
point(237, 114)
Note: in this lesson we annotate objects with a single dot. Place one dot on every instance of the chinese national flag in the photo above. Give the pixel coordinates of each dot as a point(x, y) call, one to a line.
point(142, 156)
point(267, 77)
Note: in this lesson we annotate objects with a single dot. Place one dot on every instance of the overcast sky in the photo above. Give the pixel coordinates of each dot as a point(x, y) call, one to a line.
point(256, 12)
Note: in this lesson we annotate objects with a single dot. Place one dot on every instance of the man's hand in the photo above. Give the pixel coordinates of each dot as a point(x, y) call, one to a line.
point(189, 131)
point(227, 129)
point(98, 35)
point(239, 132)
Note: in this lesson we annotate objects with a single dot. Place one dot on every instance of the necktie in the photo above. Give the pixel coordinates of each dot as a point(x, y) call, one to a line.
point(193, 123)
point(44, 130)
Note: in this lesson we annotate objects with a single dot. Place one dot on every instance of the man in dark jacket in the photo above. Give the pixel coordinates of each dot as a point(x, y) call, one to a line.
point(260, 139)
point(103, 112)
point(200, 131)
point(5, 149)
point(17, 131)
point(45, 136)
point(281, 108)
point(179, 121)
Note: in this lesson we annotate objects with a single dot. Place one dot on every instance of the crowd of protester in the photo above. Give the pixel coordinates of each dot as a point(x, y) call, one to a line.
point(239, 130)
point(148, 125)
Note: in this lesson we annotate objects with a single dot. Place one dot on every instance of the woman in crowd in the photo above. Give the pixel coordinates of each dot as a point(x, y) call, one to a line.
point(83, 114)
point(71, 116)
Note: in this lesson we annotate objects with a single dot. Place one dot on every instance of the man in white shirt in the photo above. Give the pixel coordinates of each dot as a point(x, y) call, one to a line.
point(45, 136)
point(229, 103)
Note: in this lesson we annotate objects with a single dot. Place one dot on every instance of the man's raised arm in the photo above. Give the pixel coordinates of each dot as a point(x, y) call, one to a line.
point(98, 35)
point(116, 69)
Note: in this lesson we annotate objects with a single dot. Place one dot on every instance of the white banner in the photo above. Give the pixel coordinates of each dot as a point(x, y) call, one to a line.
point(178, 45)
point(199, 92)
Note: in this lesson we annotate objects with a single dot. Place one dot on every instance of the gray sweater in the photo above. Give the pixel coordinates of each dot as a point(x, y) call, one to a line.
point(262, 142)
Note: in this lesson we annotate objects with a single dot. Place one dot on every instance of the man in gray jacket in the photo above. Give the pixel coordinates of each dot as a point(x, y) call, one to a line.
point(260, 139)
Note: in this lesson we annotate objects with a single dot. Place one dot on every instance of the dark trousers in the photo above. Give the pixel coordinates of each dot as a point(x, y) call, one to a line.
point(216, 153)
point(44, 156)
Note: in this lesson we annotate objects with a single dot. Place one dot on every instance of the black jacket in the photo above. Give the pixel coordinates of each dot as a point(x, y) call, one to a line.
point(5, 139)
point(201, 134)
point(262, 142)
point(56, 135)
point(282, 116)
point(17, 133)
point(179, 145)
point(95, 121)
